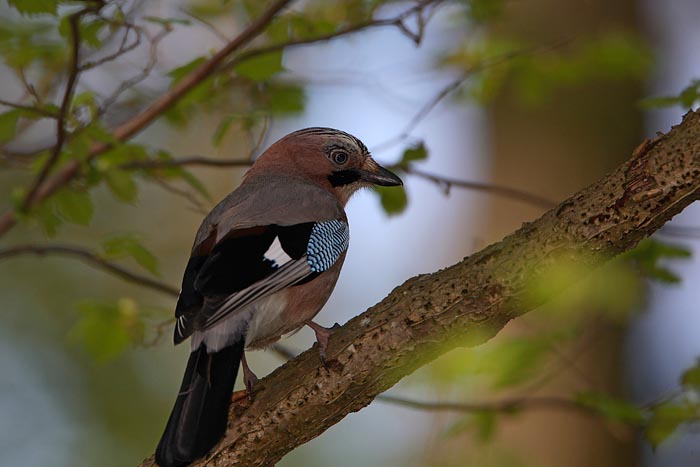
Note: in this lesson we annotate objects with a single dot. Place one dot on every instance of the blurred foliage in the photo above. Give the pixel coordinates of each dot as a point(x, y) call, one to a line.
point(536, 72)
point(242, 96)
point(687, 98)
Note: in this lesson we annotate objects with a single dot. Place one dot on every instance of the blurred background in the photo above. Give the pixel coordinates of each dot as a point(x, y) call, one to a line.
point(492, 110)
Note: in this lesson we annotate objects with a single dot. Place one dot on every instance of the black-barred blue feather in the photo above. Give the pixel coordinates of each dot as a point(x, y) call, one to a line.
point(327, 242)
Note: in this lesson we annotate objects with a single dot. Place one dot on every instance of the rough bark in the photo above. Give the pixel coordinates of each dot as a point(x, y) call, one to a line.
point(463, 305)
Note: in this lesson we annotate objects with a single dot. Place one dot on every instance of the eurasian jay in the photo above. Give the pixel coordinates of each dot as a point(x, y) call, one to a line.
point(264, 262)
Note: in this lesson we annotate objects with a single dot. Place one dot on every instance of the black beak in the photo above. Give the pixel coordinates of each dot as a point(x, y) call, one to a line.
point(378, 175)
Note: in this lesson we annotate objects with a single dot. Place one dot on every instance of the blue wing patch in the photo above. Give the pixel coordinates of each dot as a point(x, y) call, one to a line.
point(327, 242)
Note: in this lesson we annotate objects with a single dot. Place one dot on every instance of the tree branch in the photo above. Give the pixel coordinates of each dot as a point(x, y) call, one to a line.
point(49, 185)
point(92, 259)
point(505, 406)
point(28, 108)
point(463, 305)
point(74, 22)
point(512, 193)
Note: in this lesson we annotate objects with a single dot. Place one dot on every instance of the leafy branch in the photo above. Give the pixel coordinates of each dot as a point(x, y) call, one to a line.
point(44, 186)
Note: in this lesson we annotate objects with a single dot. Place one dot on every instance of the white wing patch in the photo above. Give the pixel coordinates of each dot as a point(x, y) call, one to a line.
point(277, 254)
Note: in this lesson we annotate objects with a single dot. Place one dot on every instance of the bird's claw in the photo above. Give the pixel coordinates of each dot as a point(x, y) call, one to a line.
point(249, 378)
point(322, 335)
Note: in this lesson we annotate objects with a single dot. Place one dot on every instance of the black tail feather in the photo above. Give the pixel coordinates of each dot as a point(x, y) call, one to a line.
point(199, 417)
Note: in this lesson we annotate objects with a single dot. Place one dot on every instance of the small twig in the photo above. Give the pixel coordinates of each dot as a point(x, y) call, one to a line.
point(195, 205)
point(216, 31)
point(512, 193)
point(92, 259)
point(123, 48)
point(193, 160)
point(507, 405)
point(159, 332)
point(261, 138)
point(29, 88)
point(344, 31)
point(28, 108)
point(142, 75)
point(683, 231)
point(74, 21)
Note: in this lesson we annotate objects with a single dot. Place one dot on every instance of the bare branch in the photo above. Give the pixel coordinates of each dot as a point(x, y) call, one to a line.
point(192, 160)
point(123, 48)
point(92, 259)
point(195, 204)
point(447, 183)
point(142, 75)
point(508, 405)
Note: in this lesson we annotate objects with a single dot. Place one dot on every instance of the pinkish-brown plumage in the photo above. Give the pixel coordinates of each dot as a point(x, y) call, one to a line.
point(264, 262)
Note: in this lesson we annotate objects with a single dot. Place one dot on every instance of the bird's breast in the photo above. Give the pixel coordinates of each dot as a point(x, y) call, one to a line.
point(288, 310)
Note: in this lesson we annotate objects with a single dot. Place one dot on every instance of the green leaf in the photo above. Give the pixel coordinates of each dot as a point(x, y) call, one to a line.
point(666, 418)
point(262, 67)
point(483, 422)
point(648, 255)
point(34, 7)
point(46, 215)
point(122, 185)
point(393, 199)
point(90, 33)
point(122, 246)
point(286, 99)
point(105, 330)
point(121, 154)
point(180, 72)
point(85, 100)
point(8, 125)
point(685, 99)
point(417, 152)
point(222, 129)
point(167, 22)
point(612, 408)
point(74, 206)
point(691, 377)
point(485, 10)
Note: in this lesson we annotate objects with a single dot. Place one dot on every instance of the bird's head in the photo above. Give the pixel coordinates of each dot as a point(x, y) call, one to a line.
point(331, 158)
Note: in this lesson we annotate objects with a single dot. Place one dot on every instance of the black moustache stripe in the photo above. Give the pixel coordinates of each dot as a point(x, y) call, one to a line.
point(343, 177)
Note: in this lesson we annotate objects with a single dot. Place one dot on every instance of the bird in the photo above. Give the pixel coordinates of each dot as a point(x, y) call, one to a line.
point(264, 262)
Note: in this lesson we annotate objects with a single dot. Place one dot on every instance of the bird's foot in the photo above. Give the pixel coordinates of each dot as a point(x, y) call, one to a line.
point(249, 378)
point(322, 335)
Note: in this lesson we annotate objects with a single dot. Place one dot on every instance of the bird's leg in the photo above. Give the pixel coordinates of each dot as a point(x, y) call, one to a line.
point(249, 378)
point(322, 335)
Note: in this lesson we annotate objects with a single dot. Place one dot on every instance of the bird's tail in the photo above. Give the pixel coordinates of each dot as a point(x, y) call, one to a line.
point(199, 417)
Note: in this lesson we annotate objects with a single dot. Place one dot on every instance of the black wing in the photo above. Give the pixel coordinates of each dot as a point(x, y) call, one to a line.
point(253, 263)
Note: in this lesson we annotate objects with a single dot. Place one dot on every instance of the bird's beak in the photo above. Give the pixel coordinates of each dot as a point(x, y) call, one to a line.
point(378, 175)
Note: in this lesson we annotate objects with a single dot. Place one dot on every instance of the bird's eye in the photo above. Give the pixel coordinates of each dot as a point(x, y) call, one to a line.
point(340, 157)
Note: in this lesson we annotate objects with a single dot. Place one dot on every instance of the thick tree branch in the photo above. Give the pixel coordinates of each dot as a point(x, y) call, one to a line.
point(463, 305)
